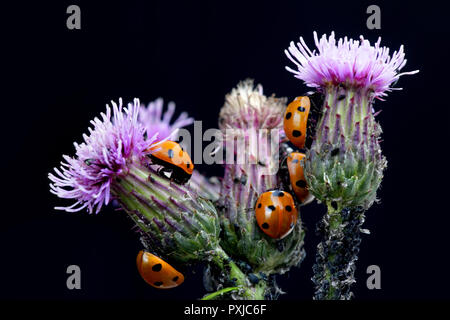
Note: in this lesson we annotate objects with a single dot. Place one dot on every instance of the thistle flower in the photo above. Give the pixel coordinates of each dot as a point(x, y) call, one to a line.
point(174, 220)
point(252, 126)
point(347, 62)
point(157, 123)
point(246, 107)
point(111, 145)
point(344, 166)
point(112, 163)
point(259, 121)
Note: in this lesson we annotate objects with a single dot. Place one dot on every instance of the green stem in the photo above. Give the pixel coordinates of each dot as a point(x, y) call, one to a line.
point(335, 264)
point(247, 291)
point(213, 295)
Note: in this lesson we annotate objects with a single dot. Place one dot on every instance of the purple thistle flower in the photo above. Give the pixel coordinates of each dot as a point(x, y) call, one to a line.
point(344, 165)
point(112, 163)
point(346, 61)
point(155, 122)
point(111, 144)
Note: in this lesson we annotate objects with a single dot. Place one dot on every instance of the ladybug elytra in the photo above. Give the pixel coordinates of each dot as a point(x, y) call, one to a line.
point(156, 272)
point(276, 213)
point(295, 120)
point(297, 177)
point(174, 159)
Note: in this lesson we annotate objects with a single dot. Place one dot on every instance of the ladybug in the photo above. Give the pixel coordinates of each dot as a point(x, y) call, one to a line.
point(171, 156)
point(295, 120)
point(156, 272)
point(297, 177)
point(276, 213)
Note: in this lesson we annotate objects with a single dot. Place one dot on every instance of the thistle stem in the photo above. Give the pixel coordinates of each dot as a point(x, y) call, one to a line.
point(218, 293)
point(337, 253)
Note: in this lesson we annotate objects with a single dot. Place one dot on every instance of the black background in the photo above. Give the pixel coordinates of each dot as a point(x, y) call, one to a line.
point(55, 80)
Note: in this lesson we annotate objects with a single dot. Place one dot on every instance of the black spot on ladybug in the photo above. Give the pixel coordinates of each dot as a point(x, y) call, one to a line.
point(341, 97)
point(157, 267)
point(334, 152)
point(288, 208)
point(271, 207)
point(301, 183)
point(288, 115)
point(278, 193)
point(296, 133)
point(259, 205)
point(157, 283)
point(188, 165)
point(175, 279)
point(265, 225)
point(334, 205)
point(170, 153)
point(301, 109)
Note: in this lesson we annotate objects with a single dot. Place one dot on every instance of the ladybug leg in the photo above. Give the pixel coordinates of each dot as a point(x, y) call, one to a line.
point(165, 172)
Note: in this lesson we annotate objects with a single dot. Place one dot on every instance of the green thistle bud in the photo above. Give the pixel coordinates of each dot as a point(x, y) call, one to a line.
point(344, 166)
point(173, 220)
point(257, 122)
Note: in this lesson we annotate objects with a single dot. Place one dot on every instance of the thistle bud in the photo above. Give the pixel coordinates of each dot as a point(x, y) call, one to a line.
point(344, 166)
point(174, 221)
point(258, 122)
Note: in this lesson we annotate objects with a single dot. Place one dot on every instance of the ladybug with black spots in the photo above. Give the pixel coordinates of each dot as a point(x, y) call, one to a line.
point(173, 159)
point(156, 272)
point(297, 177)
point(296, 119)
point(276, 213)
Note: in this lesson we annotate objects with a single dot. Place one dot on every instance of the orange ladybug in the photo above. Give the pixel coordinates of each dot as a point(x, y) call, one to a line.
point(276, 213)
point(174, 159)
point(295, 120)
point(297, 177)
point(156, 272)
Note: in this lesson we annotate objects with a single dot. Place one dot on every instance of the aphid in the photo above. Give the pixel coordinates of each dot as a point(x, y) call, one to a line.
point(295, 120)
point(174, 160)
point(297, 177)
point(276, 213)
point(253, 278)
point(156, 272)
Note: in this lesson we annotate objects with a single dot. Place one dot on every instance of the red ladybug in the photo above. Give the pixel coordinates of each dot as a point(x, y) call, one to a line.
point(295, 120)
point(297, 177)
point(174, 159)
point(156, 272)
point(276, 213)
